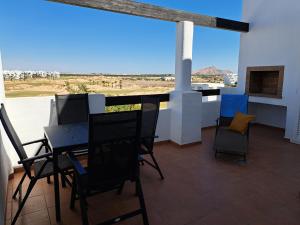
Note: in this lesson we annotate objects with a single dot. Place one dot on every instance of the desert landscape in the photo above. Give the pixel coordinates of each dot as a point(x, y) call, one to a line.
point(107, 84)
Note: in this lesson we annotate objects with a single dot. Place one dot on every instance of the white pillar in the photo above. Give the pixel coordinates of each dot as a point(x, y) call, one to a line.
point(2, 90)
point(184, 51)
point(185, 104)
point(295, 137)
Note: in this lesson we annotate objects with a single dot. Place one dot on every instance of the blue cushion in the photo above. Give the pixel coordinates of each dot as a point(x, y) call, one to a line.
point(231, 104)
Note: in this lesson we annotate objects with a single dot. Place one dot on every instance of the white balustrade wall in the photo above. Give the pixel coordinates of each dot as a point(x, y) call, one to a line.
point(5, 165)
point(30, 114)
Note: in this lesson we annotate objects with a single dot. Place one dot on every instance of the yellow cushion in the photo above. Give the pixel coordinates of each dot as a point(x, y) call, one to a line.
point(240, 122)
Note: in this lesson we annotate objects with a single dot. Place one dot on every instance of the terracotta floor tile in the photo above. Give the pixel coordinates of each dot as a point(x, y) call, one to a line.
point(69, 217)
point(8, 210)
point(33, 204)
point(36, 191)
point(218, 217)
point(9, 190)
point(39, 218)
point(198, 189)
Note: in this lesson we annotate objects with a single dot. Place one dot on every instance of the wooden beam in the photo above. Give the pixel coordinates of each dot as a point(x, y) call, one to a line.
point(156, 12)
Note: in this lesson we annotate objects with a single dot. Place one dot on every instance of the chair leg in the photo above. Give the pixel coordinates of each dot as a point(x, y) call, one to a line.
point(157, 166)
point(30, 187)
point(47, 150)
point(73, 194)
point(83, 207)
point(142, 201)
point(48, 180)
point(19, 186)
point(63, 181)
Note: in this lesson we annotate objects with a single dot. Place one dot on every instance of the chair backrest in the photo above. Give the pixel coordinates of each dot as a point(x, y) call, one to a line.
point(113, 148)
point(13, 137)
point(150, 111)
point(230, 105)
point(73, 108)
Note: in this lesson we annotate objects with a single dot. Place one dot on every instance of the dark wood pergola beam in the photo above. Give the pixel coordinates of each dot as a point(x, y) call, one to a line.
point(156, 12)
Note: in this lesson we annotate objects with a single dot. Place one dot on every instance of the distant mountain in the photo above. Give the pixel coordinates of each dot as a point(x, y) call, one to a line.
point(212, 70)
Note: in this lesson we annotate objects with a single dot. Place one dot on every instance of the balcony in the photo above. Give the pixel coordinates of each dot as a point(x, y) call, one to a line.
point(198, 189)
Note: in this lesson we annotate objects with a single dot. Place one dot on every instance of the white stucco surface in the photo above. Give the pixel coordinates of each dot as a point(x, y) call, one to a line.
point(273, 40)
point(210, 113)
point(5, 164)
point(184, 55)
point(270, 115)
point(163, 125)
point(186, 117)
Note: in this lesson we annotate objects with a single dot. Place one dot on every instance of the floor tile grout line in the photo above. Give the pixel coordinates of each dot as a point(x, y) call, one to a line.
point(48, 213)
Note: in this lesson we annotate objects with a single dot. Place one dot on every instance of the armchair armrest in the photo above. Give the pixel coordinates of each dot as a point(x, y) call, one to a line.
point(32, 159)
point(77, 165)
point(43, 140)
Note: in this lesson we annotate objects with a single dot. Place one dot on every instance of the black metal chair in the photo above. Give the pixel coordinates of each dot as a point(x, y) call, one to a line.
point(72, 108)
point(41, 164)
point(150, 111)
point(112, 160)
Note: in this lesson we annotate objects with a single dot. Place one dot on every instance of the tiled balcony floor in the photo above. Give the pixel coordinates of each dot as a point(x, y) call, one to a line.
point(198, 189)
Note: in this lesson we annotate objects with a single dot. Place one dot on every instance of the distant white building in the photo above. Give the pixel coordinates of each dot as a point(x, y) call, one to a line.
point(230, 79)
point(168, 78)
point(206, 86)
point(19, 75)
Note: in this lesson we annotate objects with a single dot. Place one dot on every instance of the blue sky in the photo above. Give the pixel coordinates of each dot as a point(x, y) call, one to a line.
point(41, 35)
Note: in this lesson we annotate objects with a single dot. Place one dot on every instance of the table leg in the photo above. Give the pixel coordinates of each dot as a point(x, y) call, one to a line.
point(56, 186)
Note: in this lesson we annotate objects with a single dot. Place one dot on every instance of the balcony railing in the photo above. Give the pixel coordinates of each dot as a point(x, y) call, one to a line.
point(133, 99)
point(136, 99)
point(210, 92)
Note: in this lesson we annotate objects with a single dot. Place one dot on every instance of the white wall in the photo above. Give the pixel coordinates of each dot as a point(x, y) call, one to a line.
point(5, 165)
point(273, 40)
point(210, 113)
point(271, 115)
point(163, 125)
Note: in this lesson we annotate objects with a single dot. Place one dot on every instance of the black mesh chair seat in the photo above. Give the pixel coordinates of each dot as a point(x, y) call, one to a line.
point(63, 164)
point(230, 141)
